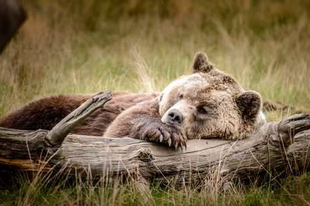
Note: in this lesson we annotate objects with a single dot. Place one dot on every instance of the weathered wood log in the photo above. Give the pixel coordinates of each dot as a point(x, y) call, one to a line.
point(57, 135)
point(277, 146)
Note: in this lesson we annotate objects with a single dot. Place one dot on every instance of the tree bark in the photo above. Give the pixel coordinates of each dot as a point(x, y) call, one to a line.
point(275, 147)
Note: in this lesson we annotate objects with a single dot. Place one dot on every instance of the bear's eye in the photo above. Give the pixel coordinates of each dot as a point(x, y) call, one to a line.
point(202, 110)
point(181, 96)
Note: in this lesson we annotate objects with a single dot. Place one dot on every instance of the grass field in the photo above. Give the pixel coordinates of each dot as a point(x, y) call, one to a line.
point(71, 47)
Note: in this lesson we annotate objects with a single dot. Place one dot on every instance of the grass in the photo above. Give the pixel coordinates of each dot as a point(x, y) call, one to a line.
point(41, 191)
point(71, 47)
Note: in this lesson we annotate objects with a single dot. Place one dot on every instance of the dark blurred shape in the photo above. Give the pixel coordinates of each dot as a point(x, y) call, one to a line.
point(12, 16)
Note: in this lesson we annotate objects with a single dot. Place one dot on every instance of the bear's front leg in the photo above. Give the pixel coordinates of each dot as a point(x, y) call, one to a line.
point(144, 122)
point(153, 130)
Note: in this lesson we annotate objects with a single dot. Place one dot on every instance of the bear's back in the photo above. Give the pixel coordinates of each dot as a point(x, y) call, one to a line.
point(45, 113)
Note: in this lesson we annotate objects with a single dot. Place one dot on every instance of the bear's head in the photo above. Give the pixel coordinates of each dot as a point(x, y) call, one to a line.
point(210, 104)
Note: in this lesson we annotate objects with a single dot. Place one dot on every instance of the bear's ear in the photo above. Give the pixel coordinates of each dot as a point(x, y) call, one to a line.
point(250, 104)
point(201, 63)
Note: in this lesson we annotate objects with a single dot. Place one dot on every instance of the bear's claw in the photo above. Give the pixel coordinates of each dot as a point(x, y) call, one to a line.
point(161, 138)
point(162, 133)
point(169, 142)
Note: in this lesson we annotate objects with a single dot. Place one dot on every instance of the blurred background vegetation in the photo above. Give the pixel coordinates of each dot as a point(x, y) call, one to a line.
point(134, 45)
point(86, 46)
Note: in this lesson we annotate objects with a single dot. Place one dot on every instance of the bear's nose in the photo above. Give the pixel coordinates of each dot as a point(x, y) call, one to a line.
point(175, 116)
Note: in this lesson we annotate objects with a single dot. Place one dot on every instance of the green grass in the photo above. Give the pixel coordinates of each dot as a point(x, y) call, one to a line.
point(42, 191)
point(71, 47)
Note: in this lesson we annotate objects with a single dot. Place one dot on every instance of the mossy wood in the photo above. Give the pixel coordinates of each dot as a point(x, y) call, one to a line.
point(276, 147)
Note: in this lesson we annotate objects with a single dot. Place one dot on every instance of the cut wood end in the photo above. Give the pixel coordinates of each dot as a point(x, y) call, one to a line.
point(285, 131)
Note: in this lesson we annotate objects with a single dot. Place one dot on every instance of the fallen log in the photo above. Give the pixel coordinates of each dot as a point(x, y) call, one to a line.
point(275, 147)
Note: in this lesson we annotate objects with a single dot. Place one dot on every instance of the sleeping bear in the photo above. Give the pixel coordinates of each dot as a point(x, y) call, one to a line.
point(207, 103)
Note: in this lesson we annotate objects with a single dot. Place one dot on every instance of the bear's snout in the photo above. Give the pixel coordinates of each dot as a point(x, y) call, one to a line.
point(175, 117)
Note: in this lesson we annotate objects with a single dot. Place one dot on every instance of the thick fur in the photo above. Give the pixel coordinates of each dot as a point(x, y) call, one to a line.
point(210, 104)
point(143, 121)
point(45, 113)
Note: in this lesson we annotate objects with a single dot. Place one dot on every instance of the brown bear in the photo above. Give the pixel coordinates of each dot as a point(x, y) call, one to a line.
point(205, 104)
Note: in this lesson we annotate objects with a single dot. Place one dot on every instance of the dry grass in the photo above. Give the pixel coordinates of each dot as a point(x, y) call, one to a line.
point(139, 46)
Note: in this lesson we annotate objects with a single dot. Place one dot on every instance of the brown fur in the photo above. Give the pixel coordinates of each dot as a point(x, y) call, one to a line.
point(143, 121)
point(45, 113)
point(210, 104)
point(228, 112)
